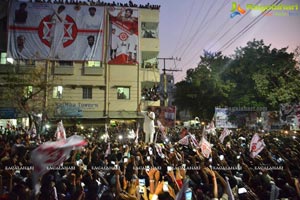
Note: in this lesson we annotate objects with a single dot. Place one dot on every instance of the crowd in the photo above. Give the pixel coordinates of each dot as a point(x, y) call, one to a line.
point(99, 3)
point(151, 94)
point(122, 168)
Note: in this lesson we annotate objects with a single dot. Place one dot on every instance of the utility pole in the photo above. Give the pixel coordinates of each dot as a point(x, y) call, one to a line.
point(165, 77)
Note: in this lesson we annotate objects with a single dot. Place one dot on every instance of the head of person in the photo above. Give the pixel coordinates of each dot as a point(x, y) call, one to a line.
point(128, 12)
point(149, 109)
point(92, 11)
point(113, 31)
point(23, 6)
point(91, 40)
point(61, 8)
point(20, 41)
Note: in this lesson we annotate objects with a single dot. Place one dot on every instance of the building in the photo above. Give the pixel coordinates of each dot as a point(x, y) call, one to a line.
point(95, 67)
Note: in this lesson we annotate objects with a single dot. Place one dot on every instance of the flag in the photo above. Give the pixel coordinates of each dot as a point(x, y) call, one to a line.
point(137, 133)
point(108, 150)
point(53, 154)
point(184, 141)
point(205, 147)
point(181, 194)
point(106, 135)
point(228, 189)
point(161, 128)
point(194, 141)
point(224, 134)
point(32, 131)
point(60, 133)
point(211, 129)
point(159, 151)
point(256, 145)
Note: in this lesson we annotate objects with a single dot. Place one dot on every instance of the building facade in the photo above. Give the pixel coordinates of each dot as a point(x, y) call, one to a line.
point(97, 61)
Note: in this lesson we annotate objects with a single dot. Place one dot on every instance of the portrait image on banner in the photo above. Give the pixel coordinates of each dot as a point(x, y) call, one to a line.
point(40, 31)
point(123, 37)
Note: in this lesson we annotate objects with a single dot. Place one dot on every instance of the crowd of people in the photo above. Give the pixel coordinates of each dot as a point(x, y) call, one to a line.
point(99, 3)
point(124, 168)
point(151, 94)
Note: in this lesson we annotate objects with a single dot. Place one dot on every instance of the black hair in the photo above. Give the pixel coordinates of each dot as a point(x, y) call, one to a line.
point(92, 8)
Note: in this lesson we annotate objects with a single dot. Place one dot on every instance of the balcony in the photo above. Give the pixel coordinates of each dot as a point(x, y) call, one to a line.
point(93, 71)
point(7, 68)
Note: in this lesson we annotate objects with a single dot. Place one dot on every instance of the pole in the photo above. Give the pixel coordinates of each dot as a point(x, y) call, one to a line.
point(165, 78)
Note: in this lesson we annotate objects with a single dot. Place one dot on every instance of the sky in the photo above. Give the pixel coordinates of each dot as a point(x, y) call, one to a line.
point(188, 27)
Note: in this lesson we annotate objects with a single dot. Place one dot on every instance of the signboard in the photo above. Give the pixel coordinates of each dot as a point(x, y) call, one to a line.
point(124, 35)
point(290, 114)
point(166, 115)
point(222, 118)
point(8, 113)
point(55, 31)
point(68, 110)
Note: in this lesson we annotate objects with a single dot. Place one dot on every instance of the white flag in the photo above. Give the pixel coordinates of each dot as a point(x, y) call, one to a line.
point(224, 134)
point(256, 145)
point(137, 133)
point(53, 154)
point(60, 133)
point(205, 147)
point(106, 135)
point(184, 140)
point(194, 141)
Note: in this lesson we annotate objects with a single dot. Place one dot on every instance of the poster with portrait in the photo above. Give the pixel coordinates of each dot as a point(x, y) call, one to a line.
point(55, 31)
point(123, 35)
point(166, 115)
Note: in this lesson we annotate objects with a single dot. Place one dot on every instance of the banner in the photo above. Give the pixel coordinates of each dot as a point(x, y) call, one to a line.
point(123, 35)
point(55, 32)
point(290, 114)
point(222, 118)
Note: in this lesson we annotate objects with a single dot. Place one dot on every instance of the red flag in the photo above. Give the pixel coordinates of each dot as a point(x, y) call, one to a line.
point(256, 145)
point(161, 128)
point(60, 133)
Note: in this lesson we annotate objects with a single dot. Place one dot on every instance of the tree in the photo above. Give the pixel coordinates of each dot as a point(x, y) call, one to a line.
point(203, 88)
point(28, 92)
point(264, 77)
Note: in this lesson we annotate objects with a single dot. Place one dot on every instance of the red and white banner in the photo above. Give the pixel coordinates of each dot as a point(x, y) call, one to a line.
point(39, 31)
point(205, 147)
point(256, 145)
point(224, 134)
point(60, 133)
point(124, 35)
point(194, 141)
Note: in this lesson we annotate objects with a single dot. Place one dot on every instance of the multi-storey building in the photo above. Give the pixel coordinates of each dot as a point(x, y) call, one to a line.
point(97, 59)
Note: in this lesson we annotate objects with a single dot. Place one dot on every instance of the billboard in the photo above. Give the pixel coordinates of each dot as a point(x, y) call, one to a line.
point(222, 118)
point(55, 32)
point(123, 35)
point(290, 114)
point(166, 115)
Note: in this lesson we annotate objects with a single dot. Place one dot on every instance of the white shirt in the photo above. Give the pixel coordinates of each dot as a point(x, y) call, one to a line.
point(148, 123)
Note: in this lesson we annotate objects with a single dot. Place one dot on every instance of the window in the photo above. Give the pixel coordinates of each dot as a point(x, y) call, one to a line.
point(65, 63)
point(27, 91)
point(93, 64)
point(123, 93)
point(3, 58)
point(57, 92)
point(87, 92)
point(149, 30)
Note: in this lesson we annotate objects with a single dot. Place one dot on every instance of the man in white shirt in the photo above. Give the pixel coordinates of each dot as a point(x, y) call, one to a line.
point(92, 21)
point(148, 127)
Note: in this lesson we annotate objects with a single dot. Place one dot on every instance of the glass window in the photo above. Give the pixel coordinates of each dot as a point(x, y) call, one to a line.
point(3, 58)
point(149, 30)
point(87, 92)
point(123, 93)
point(57, 92)
point(93, 64)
